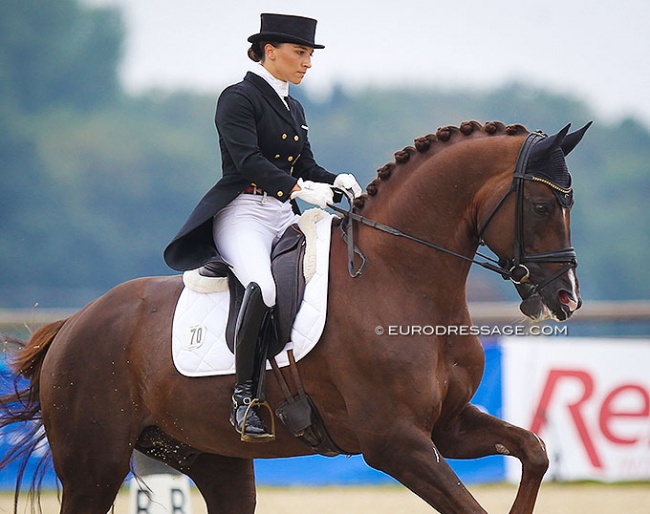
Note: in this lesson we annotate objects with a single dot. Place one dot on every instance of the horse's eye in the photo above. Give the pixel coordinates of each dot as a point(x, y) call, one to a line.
point(541, 209)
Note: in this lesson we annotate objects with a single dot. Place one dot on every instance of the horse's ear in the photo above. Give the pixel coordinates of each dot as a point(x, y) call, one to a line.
point(548, 145)
point(571, 140)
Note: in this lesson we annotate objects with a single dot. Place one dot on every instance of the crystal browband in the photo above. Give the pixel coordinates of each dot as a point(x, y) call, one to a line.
point(551, 185)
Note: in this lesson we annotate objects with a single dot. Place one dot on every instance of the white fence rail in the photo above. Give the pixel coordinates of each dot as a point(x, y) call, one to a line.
point(482, 312)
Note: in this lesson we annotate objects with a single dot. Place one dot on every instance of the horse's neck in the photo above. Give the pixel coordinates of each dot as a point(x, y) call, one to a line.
point(435, 198)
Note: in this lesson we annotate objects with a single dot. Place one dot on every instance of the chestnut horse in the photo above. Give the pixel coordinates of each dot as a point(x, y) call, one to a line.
point(102, 382)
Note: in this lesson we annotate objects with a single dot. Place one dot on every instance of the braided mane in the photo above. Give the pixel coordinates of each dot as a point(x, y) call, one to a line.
point(431, 142)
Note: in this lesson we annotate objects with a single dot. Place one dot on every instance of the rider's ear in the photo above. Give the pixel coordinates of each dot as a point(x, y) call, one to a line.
point(571, 140)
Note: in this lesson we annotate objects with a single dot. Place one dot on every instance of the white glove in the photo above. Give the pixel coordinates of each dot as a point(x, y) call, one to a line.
point(348, 182)
point(316, 193)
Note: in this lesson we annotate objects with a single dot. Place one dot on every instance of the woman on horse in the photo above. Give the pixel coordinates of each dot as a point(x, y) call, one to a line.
point(267, 163)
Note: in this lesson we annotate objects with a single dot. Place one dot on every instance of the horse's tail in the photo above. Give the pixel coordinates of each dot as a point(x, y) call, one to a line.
point(20, 408)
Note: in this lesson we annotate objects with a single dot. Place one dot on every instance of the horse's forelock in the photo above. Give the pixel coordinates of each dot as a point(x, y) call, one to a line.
point(444, 136)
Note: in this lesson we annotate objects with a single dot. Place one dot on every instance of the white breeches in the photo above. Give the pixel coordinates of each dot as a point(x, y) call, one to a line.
point(244, 232)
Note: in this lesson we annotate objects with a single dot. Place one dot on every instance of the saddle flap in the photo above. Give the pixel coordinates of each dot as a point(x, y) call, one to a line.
point(289, 241)
point(287, 267)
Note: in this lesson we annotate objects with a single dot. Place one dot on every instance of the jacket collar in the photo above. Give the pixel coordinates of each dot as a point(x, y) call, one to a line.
point(279, 86)
point(271, 96)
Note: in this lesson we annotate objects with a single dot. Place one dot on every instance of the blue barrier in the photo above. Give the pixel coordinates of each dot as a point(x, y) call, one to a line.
point(317, 470)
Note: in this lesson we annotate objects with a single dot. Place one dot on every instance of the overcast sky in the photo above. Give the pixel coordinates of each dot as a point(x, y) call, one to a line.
point(598, 51)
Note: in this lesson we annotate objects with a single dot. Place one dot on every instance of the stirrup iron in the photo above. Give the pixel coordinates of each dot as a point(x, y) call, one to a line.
point(265, 438)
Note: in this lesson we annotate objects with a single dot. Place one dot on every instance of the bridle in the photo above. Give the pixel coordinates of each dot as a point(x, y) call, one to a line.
point(518, 272)
point(514, 269)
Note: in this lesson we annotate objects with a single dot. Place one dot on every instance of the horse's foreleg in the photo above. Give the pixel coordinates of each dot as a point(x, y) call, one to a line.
point(415, 461)
point(474, 434)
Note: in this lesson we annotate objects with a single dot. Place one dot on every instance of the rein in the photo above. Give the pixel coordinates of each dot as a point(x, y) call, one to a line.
point(510, 269)
point(347, 231)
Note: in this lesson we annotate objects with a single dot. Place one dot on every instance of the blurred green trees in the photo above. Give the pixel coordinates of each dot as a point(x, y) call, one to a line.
point(95, 182)
point(57, 54)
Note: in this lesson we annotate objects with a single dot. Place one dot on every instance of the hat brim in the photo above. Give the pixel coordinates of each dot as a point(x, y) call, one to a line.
point(279, 37)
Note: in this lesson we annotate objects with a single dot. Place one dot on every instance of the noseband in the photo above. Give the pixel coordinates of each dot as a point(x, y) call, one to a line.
point(510, 269)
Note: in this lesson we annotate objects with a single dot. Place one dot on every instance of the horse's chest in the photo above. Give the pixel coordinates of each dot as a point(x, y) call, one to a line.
point(463, 371)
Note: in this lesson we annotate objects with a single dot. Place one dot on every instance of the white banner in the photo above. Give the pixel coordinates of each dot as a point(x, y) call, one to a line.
point(589, 399)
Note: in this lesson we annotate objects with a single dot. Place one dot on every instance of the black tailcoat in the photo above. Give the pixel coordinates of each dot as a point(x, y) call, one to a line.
point(262, 144)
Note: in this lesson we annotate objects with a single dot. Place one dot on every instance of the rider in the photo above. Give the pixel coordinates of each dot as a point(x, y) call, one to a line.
point(266, 161)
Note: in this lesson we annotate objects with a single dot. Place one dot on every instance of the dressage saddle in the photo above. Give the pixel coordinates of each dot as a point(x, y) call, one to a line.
point(287, 257)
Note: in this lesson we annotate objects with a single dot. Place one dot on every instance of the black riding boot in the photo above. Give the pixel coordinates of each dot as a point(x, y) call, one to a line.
point(248, 353)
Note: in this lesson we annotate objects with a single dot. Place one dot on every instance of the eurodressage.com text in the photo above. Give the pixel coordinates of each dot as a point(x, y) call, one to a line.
point(472, 330)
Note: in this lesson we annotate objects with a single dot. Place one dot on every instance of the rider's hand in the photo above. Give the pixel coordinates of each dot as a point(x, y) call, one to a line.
point(348, 182)
point(316, 193)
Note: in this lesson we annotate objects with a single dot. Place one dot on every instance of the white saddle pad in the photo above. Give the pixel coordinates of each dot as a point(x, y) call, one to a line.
point(199, 326)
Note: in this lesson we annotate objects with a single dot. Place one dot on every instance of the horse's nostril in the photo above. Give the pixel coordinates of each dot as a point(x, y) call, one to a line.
point(566, 298)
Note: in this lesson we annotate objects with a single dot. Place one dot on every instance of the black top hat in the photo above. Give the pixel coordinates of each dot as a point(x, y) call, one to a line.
point(286, 28)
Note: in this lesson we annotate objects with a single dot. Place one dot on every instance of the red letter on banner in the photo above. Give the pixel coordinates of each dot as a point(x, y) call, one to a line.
point(607, 412)
point(539, 419)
